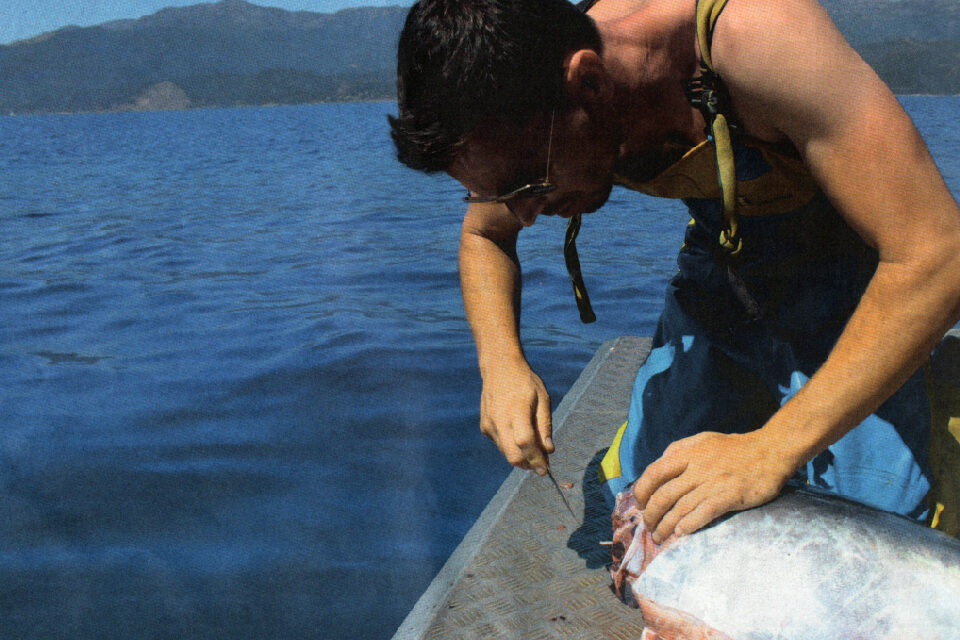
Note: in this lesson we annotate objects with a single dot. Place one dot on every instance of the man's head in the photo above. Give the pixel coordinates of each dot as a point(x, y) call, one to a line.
point(463, 62)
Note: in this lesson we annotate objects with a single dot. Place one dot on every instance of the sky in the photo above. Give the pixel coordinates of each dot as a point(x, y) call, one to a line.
point(21, 19)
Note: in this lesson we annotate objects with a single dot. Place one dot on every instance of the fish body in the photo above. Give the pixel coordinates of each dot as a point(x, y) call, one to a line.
point(803, 567)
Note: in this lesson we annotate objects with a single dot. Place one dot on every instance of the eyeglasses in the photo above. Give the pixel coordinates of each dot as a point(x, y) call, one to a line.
point(539, 188)
point(532, 190)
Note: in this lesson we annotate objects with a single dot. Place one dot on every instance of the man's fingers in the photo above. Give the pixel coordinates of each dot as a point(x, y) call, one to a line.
point(527, 441)
point(517, 419)
point(683, 506)
point(656, 475)
point(544, 424)
point(490, 431)
point(518, 444)
point(664, 500)
point(506, 445)
point(703, 514)
point(512, 451)
point(515, 457)
point(531, 436)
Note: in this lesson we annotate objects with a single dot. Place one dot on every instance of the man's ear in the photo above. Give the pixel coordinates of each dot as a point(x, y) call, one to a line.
point(586, 80)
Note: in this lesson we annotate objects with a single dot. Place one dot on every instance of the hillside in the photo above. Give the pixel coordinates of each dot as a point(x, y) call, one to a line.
point(237, 53)
point(909, 66)
point(873, 21)
point(231, 52)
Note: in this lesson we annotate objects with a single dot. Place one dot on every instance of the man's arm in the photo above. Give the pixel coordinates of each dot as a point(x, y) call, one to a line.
point(790, 70)
point(514, 406)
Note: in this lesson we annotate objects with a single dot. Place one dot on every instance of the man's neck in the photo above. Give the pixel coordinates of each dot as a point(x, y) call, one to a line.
point(649, 50)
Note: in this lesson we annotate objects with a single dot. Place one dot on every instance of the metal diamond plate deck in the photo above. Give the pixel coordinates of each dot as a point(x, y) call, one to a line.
point(526, 570)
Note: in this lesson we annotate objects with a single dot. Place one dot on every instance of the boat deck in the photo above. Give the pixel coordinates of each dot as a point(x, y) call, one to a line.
point(526, 569)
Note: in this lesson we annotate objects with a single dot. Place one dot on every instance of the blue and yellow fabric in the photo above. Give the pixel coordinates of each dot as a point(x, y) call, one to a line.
point(721, 364)
point(713, 367)
point(943, 383)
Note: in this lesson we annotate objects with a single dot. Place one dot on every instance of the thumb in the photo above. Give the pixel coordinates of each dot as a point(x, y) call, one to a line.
point(544, 424)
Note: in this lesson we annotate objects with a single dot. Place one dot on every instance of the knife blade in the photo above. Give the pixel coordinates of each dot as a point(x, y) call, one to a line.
point(556, 485)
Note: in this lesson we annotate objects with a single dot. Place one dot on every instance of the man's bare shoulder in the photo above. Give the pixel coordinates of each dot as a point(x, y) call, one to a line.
point(757, 25)
point(782, 59)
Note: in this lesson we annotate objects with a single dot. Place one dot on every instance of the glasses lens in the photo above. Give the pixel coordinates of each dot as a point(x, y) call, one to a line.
point(534, 190)
point(527, 191)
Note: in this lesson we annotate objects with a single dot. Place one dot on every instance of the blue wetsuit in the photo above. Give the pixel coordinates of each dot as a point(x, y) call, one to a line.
point(716, 367)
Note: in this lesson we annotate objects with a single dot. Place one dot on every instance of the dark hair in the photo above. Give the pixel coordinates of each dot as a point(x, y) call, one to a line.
point(461, 61)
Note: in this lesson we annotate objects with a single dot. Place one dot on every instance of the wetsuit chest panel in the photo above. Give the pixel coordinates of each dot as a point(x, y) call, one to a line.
point(767, 181)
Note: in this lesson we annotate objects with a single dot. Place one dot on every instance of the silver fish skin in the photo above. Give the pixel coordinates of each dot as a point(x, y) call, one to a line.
point(803, 567)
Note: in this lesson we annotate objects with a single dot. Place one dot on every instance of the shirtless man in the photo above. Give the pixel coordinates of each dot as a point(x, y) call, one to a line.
point(509, 95)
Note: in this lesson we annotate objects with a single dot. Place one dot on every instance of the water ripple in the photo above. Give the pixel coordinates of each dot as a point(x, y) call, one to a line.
point(228, 337)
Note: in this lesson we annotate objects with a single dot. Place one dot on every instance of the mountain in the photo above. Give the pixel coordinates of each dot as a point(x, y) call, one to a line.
point(909, 66)
point(914, 45)
point(875, 21)
point(237, 53)
point(232, 47)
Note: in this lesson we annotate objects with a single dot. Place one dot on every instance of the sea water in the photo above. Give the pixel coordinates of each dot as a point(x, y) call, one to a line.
point(238, 398)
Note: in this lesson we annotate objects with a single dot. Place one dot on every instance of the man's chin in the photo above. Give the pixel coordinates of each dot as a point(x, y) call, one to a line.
point(599, 200)
point(588, 203)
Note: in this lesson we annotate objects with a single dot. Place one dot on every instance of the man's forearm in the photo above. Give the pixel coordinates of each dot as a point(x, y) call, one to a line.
point(514, 404)
point(904, 312)
point(490, 285)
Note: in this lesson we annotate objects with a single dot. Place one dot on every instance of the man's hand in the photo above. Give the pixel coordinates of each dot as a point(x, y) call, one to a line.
point(700, 478)
point(514, 406)
point(515, 414)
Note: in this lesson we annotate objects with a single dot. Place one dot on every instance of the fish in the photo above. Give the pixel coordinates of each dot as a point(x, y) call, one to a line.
point(805, 566)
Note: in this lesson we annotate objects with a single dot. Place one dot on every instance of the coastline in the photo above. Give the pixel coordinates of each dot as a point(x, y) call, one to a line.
point(198, 108)
point(298, 104)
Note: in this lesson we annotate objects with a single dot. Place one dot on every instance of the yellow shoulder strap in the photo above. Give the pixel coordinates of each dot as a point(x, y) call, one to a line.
point(707, 13)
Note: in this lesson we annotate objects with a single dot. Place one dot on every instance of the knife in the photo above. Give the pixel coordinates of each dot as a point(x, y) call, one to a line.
point(556, 485)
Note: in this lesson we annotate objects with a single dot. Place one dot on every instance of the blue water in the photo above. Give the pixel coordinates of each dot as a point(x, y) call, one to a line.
point(238, 398)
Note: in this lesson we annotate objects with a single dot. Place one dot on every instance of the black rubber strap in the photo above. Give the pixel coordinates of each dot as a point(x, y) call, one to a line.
point(573, 270)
